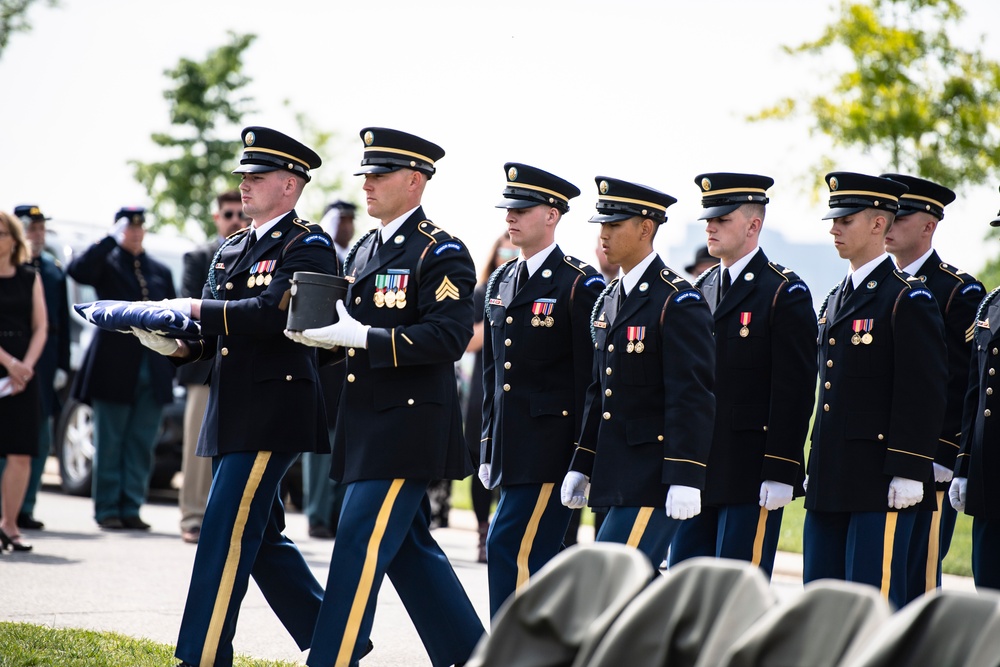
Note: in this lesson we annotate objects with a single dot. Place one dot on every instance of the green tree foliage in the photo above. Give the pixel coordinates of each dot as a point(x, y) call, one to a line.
point(205, 103)
point(932, 107)
point(14, 18)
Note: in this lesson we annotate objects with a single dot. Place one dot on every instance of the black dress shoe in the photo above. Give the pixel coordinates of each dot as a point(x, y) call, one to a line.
point(134, 523)
point(320, 532)
point(111, 523)
point(29, 522)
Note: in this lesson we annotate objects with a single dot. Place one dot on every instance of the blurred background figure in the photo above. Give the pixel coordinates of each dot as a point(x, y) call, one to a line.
point(338, 222)
point(482, 498)
point(703, 260)
point(23, 329)
point(55, 356)
point(126, 384)
point(196, 471)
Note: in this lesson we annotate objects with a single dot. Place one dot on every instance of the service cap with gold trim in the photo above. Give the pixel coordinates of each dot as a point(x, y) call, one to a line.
point(29, 213)
point(388, 150)
point(620, 200)
point(852, 193)
point(529, 186)
point(923, 196)
point(724, 192)
point(136, 215)
point(267, 150)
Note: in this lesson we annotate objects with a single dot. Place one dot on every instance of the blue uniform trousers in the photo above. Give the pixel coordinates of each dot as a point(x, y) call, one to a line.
point(526, 532)
point(742, 532)
point(648, 529)
point(986, 552)
point(866, 547)
point(124, 441)
point(241, 537)
point(929, 545)
point(383, 531)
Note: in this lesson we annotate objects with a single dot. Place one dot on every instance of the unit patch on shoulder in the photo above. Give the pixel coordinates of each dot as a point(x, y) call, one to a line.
point(797, 287)
point(598, 278)
point(691, 294)
point(921, 292)
point(444, 247)
point(973, 287)
point(317, 238)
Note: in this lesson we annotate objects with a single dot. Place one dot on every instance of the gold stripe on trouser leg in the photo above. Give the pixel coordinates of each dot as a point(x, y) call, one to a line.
point(225, 592)
point(887, 541)
point(639, 527)
point(934, 546)
point(529, 535)
point(367, 577)
point(758, 538)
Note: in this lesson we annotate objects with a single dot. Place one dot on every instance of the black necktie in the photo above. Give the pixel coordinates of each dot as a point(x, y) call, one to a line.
point(726, 283)
point(848, 289)
point(376, 245)
point(620, 296)
point(251, 240)
point(522, 276)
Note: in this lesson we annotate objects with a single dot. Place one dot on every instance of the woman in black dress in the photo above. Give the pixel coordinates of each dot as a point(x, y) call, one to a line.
point(23, 328)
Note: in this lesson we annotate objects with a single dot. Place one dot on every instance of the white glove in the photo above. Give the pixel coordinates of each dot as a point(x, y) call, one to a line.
point(805, 483)
point(904, 492)
point(774, 495)
point(347, 332)
point(156, 342)
point(956, 493)
point(182, 305)
point(574, 490)
point(942, 474)
point(484, 474)
point(683, 502)
point(118, 230)
point(60, 379)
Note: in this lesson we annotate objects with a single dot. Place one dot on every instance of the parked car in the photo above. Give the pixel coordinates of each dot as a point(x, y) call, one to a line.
point(73, 444)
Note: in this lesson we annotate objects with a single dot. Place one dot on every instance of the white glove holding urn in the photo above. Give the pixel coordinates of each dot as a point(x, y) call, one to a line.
point(574, 490)
point(683, 502)
point(346, 332)
point(905, 493)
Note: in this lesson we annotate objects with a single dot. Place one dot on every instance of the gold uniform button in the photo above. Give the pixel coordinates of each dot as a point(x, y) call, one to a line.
point(611, 348)
point(989, 391)
point(829, 363)
point(995, 351)
point(506, 365)
point(607, 392)
point(765, 428)
point(659, 438)
point(826, 407)
point(506, 387)
point(350, 377)
point(607, 415)
point(229, 286)
point(288, 378)
point(507, 342)
point(224, 351)
point(993, 371)
point(881, 437)
point(833, 341)
point(565, 413)
point(607, 371)
point(986, 412)
point(409, 401)
point(826, 385)
point(357, 301)
point(350, 351)
point(510, 320)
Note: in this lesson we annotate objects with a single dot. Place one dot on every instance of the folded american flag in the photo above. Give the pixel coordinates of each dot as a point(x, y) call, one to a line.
point(150, 316)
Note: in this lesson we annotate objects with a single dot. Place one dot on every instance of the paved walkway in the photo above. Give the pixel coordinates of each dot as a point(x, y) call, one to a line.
point(135, 583)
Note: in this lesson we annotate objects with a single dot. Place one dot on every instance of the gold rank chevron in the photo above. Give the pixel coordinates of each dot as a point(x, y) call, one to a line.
point(446, 290)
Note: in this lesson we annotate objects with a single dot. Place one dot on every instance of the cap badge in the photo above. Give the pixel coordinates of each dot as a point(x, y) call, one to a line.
point(706, 184)
point(512, 174)
point(834, 183)
point(369, 138)
point(34, 211)
point(603, 187)
point(249, 139)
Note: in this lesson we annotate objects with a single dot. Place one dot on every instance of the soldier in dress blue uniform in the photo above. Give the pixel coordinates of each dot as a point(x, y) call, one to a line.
point(126, 384)
point(537, 364)
point(958, 294)
point(649, 411)
point(265, 405)
point(765, 380)
point(883, 375)
point(407, 321)
point(975, 490)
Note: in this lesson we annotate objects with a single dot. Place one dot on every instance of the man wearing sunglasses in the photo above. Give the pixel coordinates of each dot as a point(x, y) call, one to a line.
point(229, 218)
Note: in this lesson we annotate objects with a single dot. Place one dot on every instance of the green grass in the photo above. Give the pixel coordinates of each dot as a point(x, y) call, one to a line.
point(958, 561)
point(26, 645)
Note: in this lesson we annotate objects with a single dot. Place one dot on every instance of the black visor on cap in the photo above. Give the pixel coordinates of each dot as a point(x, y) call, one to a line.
point(719, 211)
point(519, 204)
point(842, 212)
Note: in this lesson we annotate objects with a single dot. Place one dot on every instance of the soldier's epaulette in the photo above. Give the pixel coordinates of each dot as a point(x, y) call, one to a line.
point(674, 280)
point(985, 303)
point(489, 283)
point(239, 232)
point(597, 307)
point(787, 275)
point(822, 309)
point(700, 280)
point(911, 282)
point(433, 232)
point(306, 225)
point(354, 248)
point(577, 264)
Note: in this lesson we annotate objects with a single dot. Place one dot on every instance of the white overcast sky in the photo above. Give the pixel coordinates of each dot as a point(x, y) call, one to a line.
point(650, 91)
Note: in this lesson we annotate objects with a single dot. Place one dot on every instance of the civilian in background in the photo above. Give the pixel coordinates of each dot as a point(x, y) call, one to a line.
point(338, 222)
point(703, 261)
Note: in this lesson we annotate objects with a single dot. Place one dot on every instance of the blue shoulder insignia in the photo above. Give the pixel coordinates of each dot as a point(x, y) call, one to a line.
point(797, 286)
point(446, 246)
point(597, 278)
point(972, 287)
point(317, 238)
point(688, 294)
point(923, 291)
